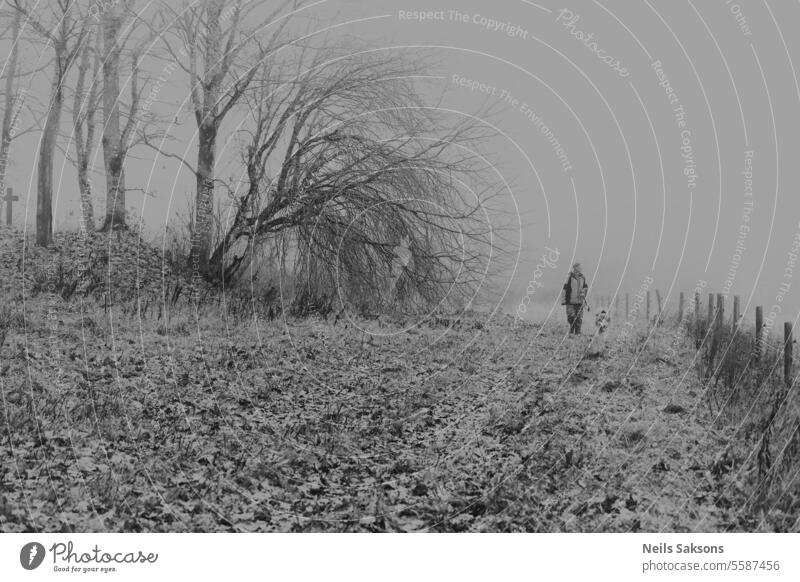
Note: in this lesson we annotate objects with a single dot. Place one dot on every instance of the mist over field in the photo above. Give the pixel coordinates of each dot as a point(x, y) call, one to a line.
point(625, 206)
point(310, 266)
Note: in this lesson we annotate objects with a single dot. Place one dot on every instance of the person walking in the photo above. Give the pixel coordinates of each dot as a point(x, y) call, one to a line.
point(574, 298)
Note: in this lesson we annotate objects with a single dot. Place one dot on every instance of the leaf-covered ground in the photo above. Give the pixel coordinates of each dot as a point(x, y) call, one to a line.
point(114, 422)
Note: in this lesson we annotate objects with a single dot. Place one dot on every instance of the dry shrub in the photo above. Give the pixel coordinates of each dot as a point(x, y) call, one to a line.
point(745, 388)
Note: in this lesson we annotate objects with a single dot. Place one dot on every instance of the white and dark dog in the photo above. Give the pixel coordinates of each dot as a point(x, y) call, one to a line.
point(597, 343)
point(602, 321)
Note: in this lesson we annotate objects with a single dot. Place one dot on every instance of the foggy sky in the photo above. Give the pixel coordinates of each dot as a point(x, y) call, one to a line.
point(626, 149)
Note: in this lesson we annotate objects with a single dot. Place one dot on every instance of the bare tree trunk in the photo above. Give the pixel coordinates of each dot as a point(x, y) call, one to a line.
point(85, 187)
point(10, 111)
point(83, 111)
point(207, 122)
point(113, 150)
point(44, 195)
point(202, 239)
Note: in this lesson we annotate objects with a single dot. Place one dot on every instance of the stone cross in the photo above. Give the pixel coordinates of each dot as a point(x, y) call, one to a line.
point(9, 198)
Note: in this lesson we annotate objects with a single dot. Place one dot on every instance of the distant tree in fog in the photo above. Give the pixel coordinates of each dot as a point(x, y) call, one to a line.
point(63, 26)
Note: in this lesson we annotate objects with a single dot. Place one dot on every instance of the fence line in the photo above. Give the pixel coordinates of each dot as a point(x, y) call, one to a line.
point(715, 319)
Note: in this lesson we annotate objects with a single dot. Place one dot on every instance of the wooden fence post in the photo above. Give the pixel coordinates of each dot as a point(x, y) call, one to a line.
point(720, 310)
point(735, 312)
point(648, 307)
point(710, 308)
point(658, 315)
point(627, 300)
point(759, 330)
point(697, 320)
point(680, 307)
point(787, 352)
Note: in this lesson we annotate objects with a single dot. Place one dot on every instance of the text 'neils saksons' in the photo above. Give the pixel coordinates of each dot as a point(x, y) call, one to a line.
point(663, 548)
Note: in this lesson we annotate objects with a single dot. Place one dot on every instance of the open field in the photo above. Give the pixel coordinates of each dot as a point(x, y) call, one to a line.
point(118, 423)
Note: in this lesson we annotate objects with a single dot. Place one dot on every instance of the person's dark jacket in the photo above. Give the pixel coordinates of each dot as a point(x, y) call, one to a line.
point(574, 283)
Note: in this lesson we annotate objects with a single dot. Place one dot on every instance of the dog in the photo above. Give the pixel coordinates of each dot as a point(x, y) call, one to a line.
point(602, 321)
point(597, 343)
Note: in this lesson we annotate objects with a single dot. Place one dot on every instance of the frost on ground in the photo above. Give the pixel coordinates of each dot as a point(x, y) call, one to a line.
point(119, 419)
point(306, 426)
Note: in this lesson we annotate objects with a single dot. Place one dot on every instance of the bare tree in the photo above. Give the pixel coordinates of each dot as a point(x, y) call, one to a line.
point(220, 54)
point(119, 23)
point(343, 162)
point(63, 25)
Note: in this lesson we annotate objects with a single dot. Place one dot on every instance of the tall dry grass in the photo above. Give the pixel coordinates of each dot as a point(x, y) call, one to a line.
point(745, 390)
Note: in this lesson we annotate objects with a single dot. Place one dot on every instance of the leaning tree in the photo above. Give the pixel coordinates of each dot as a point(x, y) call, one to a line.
point(343, 160)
